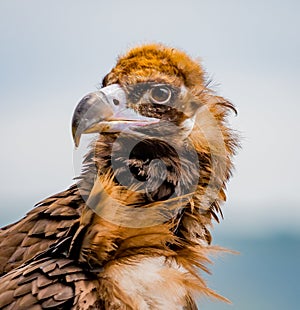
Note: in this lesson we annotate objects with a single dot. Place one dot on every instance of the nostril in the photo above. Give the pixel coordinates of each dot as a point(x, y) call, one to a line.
point(116, 101)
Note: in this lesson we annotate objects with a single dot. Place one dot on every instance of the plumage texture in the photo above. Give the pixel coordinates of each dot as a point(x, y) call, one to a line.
point(42, 226)
point(103, 245)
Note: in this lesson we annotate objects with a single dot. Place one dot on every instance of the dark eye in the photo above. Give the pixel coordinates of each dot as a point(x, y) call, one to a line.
point(160, 94)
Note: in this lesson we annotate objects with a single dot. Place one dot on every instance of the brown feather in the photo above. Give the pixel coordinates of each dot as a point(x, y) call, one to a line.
point(41, 227)
point(102, 245)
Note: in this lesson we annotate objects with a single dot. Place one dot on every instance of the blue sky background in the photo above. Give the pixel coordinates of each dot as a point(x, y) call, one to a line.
point(54, 52)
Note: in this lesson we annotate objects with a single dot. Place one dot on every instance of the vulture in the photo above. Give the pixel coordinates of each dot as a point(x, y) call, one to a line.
point(133, 232)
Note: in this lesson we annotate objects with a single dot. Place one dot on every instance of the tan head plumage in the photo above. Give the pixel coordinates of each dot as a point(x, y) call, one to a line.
point(158, 63)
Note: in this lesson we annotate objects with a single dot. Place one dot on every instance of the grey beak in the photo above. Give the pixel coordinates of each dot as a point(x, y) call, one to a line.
point(105, 110)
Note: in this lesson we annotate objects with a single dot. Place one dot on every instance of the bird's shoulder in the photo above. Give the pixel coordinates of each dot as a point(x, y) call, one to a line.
point(48, 221)
point(56, 283)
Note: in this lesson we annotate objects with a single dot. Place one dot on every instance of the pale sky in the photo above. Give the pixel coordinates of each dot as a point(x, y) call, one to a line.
point(54, 52)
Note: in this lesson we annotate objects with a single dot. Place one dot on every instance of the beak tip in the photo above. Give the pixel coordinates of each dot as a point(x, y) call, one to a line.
point(76, 136)
point(76, 139)
point(76, 143)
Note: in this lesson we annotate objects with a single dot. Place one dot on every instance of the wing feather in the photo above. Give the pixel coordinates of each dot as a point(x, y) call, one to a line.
point(40, 228)
point(49, 284)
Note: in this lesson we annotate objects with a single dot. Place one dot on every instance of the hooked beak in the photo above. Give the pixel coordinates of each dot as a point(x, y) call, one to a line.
point(106, 111)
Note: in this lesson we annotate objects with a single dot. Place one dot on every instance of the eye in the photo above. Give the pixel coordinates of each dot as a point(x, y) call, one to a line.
point(160, 94)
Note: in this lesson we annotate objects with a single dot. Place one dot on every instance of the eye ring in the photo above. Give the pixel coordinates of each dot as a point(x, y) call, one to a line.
point(160, 94)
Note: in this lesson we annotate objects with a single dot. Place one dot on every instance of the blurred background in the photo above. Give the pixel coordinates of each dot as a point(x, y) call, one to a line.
point(54, 52)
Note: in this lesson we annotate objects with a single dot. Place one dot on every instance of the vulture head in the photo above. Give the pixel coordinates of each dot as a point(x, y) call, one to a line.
point(155, 176)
